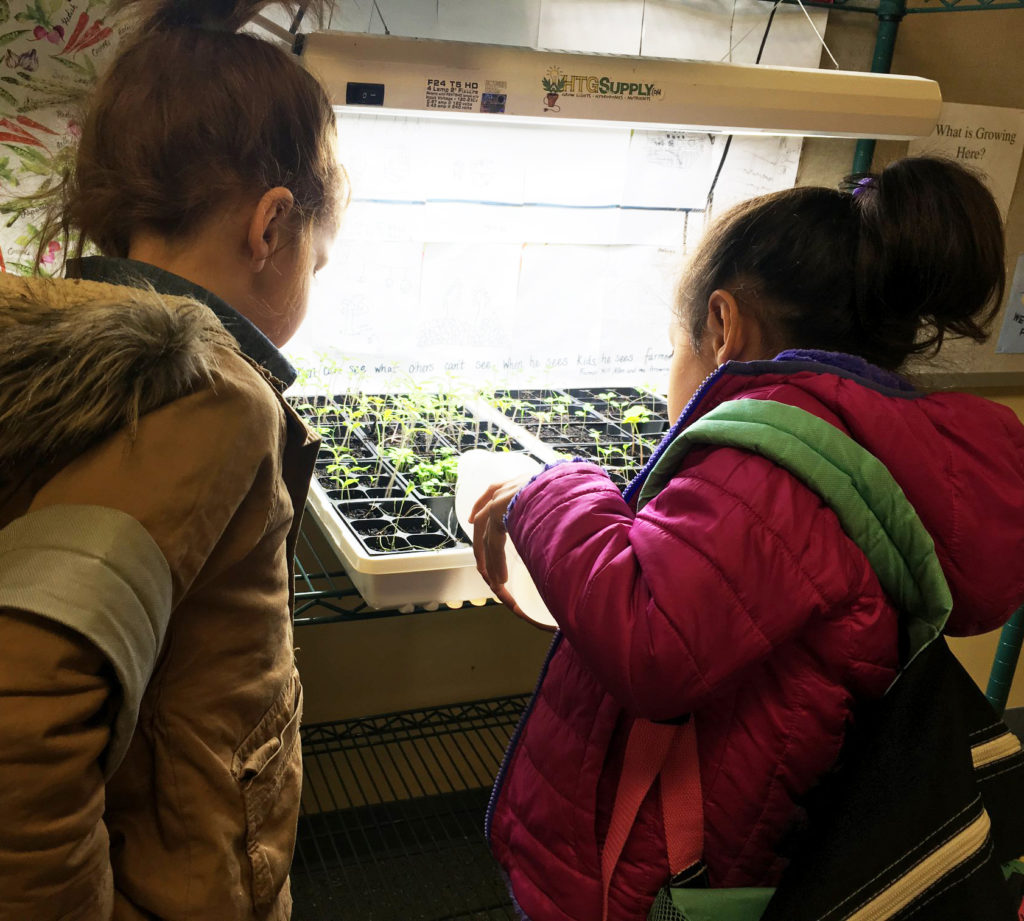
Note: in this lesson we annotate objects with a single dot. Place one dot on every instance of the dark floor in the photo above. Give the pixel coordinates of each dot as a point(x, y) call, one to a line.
point(393, 814)
point(420, 859)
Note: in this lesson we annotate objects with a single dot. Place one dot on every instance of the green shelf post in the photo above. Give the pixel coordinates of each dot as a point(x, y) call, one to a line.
point(1005, 664)
point(890, 13)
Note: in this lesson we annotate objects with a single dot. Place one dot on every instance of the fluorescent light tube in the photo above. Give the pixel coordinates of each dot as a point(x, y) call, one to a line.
point(411, 76)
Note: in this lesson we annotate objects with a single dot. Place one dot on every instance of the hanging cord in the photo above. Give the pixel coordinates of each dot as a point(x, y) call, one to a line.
point(279, 32)
point(718, 172)
point(732, 28)
point(387, 31)
point(728, 140)
point(734, 45)
point(764, 38)
point(828, 51)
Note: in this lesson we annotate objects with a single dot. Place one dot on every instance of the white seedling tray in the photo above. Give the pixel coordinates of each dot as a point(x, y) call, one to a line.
point(427, 578)
point(423, 578)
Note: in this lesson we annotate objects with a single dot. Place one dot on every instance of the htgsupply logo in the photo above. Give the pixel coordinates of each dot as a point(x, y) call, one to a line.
point(590, 86)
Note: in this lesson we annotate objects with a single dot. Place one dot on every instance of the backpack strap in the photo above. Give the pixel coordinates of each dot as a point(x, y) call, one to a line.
point(653, 751)
point(870, 505)
point(873, 511)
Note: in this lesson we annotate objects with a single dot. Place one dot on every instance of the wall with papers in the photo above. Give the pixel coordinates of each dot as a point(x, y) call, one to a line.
point(523, 253)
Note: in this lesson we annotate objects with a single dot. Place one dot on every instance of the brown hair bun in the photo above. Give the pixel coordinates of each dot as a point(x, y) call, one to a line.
point(190, 117)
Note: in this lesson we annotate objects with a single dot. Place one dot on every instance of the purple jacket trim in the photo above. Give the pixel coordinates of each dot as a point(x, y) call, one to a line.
point(520, 914)
point(499, 780)
point(789, 361)
point(680, 423)
point(852, 363)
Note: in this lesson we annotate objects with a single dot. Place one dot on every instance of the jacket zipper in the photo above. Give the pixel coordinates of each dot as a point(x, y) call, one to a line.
point(500, 778)
point(927, 873)
point(698, 396)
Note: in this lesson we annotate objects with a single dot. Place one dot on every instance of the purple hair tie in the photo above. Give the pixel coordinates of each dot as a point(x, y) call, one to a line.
point(863, 185)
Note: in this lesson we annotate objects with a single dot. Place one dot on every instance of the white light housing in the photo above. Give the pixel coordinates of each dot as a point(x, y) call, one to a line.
point(412, 76)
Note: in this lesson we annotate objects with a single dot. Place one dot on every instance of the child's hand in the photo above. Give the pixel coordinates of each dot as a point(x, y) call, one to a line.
point(487, 518)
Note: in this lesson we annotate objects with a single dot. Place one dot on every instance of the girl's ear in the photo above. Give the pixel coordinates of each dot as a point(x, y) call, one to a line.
point(267, 226)
point(734, 334)
point(723, 325)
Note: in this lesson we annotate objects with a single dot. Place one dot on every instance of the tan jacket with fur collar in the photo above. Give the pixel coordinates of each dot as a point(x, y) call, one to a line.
point(150, 478)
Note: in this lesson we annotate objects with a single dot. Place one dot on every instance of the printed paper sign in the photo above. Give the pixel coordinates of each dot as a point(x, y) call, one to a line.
point(986, 138)
point(1011, 337)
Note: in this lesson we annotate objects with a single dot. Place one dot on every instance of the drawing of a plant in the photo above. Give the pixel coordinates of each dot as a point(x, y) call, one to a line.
point(553, 84)
point(40, 12)
point(50, 53)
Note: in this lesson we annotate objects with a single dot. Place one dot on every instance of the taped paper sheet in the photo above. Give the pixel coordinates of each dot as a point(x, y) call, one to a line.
point(983, 138)
point(1011, 336)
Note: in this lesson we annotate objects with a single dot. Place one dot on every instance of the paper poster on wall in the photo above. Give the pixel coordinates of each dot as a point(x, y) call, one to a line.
point(698, 30)
point(755, 166)
point(668, 169)
point(613, 28)
point(985, 138)
point(1011, 336)
point(732, 30)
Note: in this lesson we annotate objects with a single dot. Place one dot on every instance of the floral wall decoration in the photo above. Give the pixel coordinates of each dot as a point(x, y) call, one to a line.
point(51, 52)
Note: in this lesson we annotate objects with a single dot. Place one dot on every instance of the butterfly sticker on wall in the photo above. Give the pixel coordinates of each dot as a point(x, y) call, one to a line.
point(27, 60)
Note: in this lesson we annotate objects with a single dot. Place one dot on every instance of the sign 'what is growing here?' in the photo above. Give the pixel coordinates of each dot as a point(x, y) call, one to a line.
point(985, 138)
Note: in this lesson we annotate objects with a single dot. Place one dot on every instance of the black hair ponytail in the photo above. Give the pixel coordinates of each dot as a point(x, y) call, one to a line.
point(930, 258)
point(885, 268)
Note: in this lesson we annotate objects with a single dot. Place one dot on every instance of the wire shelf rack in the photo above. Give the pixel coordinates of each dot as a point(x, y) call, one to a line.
point(911, 6)
point(324, 594)
point(392, 815)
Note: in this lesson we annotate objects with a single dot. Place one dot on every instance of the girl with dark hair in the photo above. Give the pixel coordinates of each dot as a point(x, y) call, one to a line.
point(734, 595)
point(151, 483)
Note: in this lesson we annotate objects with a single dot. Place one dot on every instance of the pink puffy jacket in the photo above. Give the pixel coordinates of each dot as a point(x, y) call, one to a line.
point(736, 596)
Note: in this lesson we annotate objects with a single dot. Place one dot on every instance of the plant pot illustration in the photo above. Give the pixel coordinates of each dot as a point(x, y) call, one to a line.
point(553, 84)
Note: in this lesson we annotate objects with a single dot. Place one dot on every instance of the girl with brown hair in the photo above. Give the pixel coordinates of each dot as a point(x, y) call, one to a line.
point(151, 483)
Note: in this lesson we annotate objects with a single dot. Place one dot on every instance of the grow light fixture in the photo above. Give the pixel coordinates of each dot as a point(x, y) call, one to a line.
point(422, 77)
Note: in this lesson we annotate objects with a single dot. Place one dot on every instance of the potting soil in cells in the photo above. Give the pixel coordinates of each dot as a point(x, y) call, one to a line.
point(394, 526)
point(477, 471)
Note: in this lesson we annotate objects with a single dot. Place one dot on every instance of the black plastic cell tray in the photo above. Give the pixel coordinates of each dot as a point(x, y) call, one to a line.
point(390, 526)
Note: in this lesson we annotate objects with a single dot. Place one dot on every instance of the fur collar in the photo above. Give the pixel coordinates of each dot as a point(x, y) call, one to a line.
point(80, 360)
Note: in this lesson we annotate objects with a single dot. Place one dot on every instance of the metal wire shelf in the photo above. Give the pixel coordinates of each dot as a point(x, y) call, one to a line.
point(321, 584)
point(911, 6)
point(392, 815)
point(323, 592)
